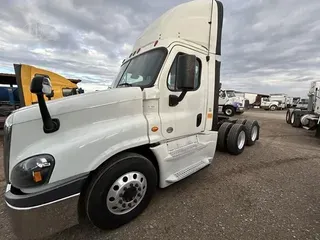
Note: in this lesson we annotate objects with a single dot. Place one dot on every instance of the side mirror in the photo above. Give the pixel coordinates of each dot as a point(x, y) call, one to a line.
point(41, 85)
point(186, 70)
point(185, 77)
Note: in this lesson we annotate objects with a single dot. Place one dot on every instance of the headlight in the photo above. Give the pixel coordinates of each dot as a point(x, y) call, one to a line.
point(33, 171)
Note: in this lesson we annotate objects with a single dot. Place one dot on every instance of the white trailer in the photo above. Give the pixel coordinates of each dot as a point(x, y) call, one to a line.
point(307, 118)
point(100, 155)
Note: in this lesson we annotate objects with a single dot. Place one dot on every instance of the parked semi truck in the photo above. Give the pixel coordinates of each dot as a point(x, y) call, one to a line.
point(230, 104)
point(307, 118)
point(274, 102)
point(100, 156)
point(250, 97)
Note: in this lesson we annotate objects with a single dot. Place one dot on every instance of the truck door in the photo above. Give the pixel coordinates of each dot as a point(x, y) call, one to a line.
point(188, 117)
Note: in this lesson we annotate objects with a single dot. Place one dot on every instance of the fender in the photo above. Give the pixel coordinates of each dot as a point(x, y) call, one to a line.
point(86, 138)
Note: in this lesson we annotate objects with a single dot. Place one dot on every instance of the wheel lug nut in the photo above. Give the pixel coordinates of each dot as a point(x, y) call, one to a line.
point(139, 195)
point(139, 188)
point(124, 205)
point(121, 195)
point(129, 204)
point(120, 202)
point(131, 185)
point(137, 185)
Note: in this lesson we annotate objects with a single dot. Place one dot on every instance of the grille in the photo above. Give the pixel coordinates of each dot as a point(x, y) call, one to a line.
point(246, 103)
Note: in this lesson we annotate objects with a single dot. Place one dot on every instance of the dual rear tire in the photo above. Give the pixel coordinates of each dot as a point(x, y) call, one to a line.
point(233, 137)
point(293, 118)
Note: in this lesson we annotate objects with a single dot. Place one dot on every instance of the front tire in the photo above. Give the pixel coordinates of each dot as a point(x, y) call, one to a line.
point(229, 111)
point(273, 108)
point(120, 190)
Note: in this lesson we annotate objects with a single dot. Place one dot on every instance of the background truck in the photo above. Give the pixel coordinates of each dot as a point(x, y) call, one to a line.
point(274, 102)
point(230, 104)
point(249, 97)
point(307, 118)
point(295, 101)
point(100, 156)
point(302, 104)
point(15, 88)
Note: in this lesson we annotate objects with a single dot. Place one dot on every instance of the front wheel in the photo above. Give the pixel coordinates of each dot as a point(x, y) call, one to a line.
point(273, 107)
point(120, 190)
point(229, 111)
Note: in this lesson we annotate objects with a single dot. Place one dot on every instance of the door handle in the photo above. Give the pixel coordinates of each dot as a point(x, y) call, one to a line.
point(199, 119)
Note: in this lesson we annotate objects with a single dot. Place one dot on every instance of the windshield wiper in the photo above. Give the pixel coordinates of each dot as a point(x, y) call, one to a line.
point(125, 84)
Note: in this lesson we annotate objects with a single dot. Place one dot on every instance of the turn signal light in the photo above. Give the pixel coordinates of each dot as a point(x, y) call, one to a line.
point(37, 177)
point(154, 129)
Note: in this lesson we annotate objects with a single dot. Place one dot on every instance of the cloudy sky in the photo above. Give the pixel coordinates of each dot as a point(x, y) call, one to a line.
point(268, 45)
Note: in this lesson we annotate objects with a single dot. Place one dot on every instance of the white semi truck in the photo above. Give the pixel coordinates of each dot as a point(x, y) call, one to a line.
point(230, 104)
point(307, 116)
point(100, 156)
point(274, 102)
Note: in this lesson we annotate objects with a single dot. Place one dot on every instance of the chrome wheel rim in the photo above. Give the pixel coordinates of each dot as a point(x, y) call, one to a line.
point(126, 193)
point(241, 139)
point(228, 112)
point(254, 133)
point(273, 108)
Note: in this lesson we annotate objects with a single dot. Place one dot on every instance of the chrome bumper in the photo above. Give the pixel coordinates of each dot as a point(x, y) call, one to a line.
point(43, 214)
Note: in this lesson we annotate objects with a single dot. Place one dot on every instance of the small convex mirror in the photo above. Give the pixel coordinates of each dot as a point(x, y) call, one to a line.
point(41, 84)
point(46, 86)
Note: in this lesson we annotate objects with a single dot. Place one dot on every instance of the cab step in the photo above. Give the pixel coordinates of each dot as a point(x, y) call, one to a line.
point(188, 170)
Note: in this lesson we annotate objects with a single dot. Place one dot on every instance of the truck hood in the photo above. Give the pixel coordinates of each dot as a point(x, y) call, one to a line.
point(237, 99)
point(79, 102)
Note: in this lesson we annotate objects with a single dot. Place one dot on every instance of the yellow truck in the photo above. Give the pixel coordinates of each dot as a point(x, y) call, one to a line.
point(15, 88)
point(61, 86)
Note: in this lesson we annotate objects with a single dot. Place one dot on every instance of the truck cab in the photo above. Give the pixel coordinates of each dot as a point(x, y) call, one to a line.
point(274, 102)
point(101, 155)
point(230, 104)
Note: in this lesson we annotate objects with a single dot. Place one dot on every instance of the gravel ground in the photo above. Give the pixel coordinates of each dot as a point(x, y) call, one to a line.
point(270, 191)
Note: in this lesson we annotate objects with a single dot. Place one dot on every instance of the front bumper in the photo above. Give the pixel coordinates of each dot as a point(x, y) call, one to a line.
point(42, 214)
point(240, 110)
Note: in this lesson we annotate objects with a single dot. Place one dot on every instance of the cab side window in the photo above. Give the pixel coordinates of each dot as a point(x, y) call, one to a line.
point(171, 81)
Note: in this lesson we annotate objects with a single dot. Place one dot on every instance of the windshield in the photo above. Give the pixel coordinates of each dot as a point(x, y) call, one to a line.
point(141, 71)
point(231, 94)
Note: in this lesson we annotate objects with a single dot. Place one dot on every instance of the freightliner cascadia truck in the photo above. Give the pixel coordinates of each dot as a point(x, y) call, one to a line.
point(100, 156)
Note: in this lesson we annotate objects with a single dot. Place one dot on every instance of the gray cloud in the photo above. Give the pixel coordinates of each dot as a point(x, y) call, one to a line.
point(268, 46)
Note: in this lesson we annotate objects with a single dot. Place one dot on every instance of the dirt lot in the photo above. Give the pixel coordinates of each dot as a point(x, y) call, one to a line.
point(270, 191)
